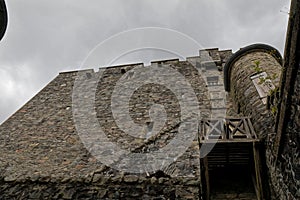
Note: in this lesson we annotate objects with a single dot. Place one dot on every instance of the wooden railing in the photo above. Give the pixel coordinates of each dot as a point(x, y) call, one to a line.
point(227, 130)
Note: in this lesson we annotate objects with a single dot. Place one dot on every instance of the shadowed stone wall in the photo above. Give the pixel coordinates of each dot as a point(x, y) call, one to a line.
point(284, 157)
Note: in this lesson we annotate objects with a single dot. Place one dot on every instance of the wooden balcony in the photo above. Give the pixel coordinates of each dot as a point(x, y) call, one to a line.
point(227, 130)
point(235, 145)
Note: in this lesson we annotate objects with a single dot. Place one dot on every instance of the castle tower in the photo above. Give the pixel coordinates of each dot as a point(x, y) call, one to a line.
point(252, 76)
point(249, 120)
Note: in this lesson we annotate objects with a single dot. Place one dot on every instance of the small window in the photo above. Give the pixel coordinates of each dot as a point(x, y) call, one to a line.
point(263, 85)
point(209, 66)
point(212, 80)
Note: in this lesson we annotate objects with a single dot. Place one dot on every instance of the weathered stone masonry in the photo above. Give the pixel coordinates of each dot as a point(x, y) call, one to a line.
point(244, 64)
point(42, 156)
point(282, 176)
point(285, 158)
point(238, 72)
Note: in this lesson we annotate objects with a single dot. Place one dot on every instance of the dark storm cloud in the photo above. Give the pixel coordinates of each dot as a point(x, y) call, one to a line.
point(46, 37)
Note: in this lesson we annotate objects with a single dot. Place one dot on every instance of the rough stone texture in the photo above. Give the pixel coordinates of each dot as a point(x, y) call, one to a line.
point(290, 161)
point(284, 161)
point(43, 157)
point(104, 188)
point(283, 180)
point(210, 63)
point(284, 174)
point(289, 164)
point(244, 93)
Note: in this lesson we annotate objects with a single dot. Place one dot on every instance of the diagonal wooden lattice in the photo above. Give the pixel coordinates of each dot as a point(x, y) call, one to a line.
point(212, 129)
point(228, 129)
point(239, 128)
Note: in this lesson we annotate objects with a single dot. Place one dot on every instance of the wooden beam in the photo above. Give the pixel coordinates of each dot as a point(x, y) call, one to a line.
point(258, 171)
point(205, 187)
point(206, 173)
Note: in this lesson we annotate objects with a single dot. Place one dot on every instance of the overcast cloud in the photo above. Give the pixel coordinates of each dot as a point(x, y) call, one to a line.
point(46, 37)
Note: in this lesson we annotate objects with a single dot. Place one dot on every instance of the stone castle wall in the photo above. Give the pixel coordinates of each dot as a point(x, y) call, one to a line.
point(285, 160)
point(44, 158)
point(285, 157)
point(284, 170)
point(99, 186)
point(289, 163)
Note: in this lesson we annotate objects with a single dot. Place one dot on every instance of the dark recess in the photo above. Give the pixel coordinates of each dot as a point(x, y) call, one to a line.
point(3, 18)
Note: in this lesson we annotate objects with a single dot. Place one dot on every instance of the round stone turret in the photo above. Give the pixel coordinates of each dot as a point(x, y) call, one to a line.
point(251, 77)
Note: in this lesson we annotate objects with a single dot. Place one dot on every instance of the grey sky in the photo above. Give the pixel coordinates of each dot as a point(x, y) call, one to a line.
point(46, 37)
